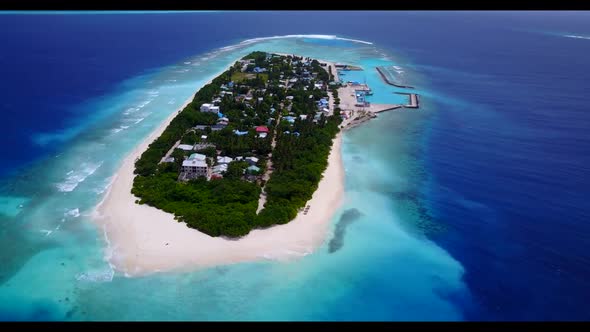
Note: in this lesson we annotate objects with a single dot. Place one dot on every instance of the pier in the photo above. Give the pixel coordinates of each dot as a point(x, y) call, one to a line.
point(413, 99)
point(389, 81)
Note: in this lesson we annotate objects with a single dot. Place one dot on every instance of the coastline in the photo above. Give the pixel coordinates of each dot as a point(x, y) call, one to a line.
point(142, 239)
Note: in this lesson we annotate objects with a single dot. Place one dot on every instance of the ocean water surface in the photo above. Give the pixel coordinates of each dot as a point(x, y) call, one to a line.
point(470, 208)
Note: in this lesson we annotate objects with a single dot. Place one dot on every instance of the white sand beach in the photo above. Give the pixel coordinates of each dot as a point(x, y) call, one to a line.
point(142, 239)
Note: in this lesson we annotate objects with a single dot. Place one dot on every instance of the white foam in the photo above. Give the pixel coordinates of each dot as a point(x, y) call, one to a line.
point(78, 176)
point(577, 36)
point(144, 104)
point(46, 231)
point(72, 213)
point(130, 110)
point(121, 128)
point(187, 63)
point(97, 276)
point(106, 186)
point(138, 120)
point(329, 37)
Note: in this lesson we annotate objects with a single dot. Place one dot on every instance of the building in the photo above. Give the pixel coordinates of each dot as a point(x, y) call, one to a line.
point(224, 160)
point(252, 160)
point(262, 129)
point(197, 156)
point(253, 169)
point(194, 168)
point(214, 109)
point(240, 133)
point(262, 135)
point(205, 107)
point(210, 108)
point(218, 169)
point(185, 147)
point(168, 160)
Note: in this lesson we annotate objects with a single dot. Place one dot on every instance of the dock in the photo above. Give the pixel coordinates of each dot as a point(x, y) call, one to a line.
point(389, 81)
point(413, 99)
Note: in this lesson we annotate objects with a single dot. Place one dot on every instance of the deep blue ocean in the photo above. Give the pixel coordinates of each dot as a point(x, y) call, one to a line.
point(502, 159)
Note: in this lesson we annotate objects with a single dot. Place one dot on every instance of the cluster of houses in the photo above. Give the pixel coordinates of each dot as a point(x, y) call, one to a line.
point(196, 166)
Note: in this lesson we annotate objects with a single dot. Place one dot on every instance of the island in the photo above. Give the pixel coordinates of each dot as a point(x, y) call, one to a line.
point(248, 151)
point(248, 168)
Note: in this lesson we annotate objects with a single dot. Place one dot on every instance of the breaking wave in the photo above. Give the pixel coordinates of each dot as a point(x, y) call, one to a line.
point(329, 37)
point(74, 178)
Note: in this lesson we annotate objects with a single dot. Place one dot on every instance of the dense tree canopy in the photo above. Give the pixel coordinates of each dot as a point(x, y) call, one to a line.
point(227, 206)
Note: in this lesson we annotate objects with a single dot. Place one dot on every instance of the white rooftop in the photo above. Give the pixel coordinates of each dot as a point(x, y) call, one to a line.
point(194, 163)
point(197, 156)
point(224, 160)
point(185, 147)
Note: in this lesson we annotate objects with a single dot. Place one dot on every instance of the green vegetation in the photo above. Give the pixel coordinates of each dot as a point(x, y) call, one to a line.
point(227, 206)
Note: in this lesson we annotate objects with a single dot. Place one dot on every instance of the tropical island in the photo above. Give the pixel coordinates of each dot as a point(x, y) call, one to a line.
point(248, 151)
point(248, 168)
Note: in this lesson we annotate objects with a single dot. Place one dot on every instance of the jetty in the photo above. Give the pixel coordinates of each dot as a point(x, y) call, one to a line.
point(413, 99)
point(389, 81)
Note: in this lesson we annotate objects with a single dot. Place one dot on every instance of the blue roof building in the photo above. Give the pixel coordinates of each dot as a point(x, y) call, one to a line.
point(240, 133)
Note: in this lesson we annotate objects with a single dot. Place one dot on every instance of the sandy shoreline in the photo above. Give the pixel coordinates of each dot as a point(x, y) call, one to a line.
point(143, 239)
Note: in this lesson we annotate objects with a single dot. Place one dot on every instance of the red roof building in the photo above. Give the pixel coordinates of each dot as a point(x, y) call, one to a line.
point(262, 129)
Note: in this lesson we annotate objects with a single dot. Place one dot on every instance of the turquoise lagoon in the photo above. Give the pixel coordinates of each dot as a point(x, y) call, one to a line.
point(377, 263)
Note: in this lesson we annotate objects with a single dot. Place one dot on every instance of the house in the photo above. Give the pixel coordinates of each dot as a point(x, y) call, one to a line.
point(205, 107)
point(262, 135)
point(290, 119)
point(260, 99)
point(216, 176)
point(222, 119)
point(289, 97)
point(262, 129)
point(197, 156)
point(218, 126)
point(296, 134)
point(325, 110)
point(218, 169)
point(192, 169)
point(224, 160)
point(239, 158)
point(252, 160)
point(203, 137)
point(253, 169)
point(259, 70)
point(168, 160)
point(185, 147)
point(230, 84)
point(303, 116)
point(214, 109)
point(240, 133)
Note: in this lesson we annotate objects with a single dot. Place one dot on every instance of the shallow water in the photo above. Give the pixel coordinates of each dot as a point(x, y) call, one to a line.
point(473, 207)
